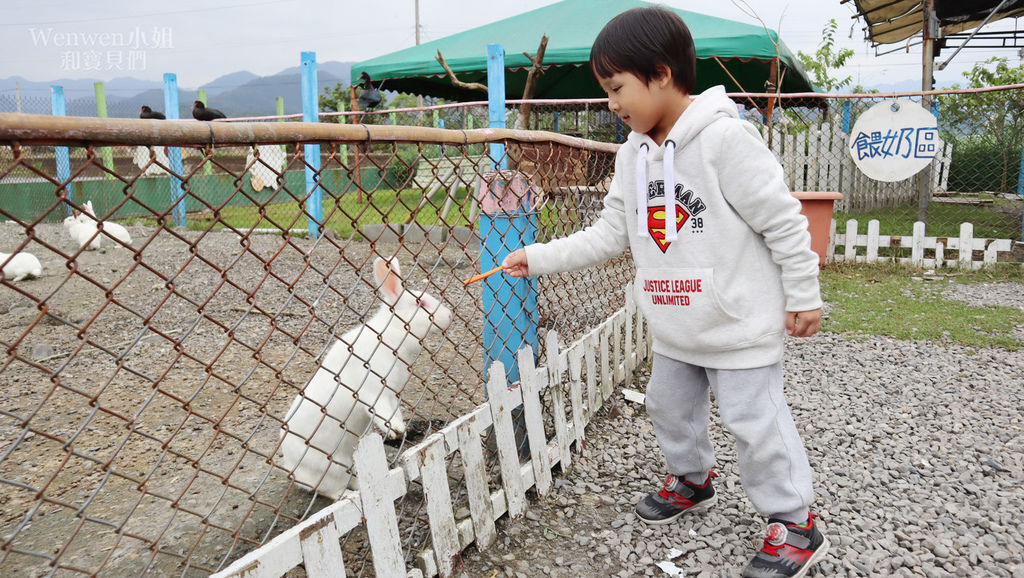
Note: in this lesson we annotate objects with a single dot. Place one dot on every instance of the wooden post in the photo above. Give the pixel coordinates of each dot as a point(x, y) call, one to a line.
point(354, 104)
point(378, 495)
point(106, 153)
point(502, 400)
point(174, 153)
point(773, 80)
point(58, 107)
point(311, 113)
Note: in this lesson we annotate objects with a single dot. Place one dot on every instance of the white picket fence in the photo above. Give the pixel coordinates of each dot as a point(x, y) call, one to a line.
point(818, 160)
point(588, 369)
point(963, 251)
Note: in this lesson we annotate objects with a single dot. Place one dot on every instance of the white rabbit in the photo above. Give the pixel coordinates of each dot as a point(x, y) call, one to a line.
point(20, 266)
point(82, 232)
point(110, 228)
point(358, 383)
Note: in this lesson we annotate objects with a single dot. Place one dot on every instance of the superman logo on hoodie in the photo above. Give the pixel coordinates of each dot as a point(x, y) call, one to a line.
point(687, 204)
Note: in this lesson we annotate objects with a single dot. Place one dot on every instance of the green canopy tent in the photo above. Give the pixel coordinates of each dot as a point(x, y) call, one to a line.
point(747, 51)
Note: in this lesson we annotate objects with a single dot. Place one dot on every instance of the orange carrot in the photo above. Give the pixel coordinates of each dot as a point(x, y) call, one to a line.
point(476, 278)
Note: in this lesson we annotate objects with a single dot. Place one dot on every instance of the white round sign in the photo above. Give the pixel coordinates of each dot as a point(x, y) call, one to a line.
point(894, 139)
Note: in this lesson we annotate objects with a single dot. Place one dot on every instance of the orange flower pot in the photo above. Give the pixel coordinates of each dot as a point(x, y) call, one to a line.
point(817, 207)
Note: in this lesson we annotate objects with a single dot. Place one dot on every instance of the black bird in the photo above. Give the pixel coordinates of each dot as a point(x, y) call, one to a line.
point(150, 113)
point(201, 112)
point(369, 97)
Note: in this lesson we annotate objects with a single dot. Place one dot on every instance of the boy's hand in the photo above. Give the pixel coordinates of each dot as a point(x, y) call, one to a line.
point(803, 323)
point(515, 264)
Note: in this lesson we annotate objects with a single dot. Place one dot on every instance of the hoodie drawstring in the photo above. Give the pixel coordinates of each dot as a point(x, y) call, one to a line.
point(641, 191)
point(671, 233)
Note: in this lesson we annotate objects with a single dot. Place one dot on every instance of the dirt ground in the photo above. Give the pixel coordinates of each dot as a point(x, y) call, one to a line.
point(141, 393)
point(142, 390)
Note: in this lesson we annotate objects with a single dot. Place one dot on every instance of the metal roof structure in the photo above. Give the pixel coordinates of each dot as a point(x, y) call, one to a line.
point(900, 21)
point(892, 21)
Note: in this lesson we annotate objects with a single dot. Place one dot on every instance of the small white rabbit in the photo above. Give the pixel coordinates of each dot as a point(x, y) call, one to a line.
point(20, 266)
point(110, 228)
point(357, 384)
point(82, 232)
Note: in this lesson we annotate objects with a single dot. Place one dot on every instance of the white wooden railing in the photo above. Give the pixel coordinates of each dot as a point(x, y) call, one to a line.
point(964, 251)
point(588, 370)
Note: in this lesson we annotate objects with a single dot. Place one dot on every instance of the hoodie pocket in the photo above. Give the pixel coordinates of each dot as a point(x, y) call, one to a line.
point(684, 308)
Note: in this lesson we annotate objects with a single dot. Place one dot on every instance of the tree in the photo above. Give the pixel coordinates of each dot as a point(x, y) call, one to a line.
point(826, 59)
point(986, 127)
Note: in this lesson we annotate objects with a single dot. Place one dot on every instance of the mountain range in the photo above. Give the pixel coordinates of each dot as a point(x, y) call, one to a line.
point(237, 94)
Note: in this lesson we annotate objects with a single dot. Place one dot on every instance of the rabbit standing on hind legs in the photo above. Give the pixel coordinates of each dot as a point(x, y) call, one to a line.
point(357, 385)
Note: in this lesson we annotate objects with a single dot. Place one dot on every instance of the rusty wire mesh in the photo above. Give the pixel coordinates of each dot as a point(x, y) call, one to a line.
point(145, 384)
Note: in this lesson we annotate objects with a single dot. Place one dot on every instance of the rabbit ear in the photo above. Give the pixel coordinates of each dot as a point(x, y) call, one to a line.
point(389, 280)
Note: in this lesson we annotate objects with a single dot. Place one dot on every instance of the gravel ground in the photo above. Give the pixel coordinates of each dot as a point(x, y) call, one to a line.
point(918, 457)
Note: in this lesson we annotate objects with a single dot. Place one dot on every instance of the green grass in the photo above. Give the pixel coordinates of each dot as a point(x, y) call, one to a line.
point(943, 219)
point(345, 214)
point(887, 300)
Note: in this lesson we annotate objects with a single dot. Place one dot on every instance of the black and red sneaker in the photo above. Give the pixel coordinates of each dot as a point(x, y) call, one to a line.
point(789, 550)
point(676, 498)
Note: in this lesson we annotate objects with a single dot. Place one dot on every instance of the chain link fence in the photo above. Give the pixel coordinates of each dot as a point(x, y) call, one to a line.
point(975, 177)
point(147, 385)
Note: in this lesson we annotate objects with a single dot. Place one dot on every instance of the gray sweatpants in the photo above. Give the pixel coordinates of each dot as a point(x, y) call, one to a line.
point(773, 464)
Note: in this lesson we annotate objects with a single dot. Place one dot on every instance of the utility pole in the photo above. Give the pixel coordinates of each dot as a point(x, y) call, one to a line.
point(419, 98)
point(929, 32)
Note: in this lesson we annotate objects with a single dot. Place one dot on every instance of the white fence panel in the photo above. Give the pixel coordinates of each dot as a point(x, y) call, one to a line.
point(315, 543)
point(966, 246)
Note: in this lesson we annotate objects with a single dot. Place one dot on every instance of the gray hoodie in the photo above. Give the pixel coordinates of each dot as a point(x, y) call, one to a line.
point(715, 293)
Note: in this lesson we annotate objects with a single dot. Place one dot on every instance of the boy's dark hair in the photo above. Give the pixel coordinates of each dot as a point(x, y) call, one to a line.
point(640, 40)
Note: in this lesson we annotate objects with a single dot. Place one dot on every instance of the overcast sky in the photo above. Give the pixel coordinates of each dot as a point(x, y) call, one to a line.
point(201, 40)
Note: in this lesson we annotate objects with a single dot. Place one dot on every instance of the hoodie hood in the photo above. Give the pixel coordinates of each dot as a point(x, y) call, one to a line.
point(709, 106)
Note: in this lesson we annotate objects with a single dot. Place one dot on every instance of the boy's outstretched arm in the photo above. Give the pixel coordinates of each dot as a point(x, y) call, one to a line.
point(803, 323)
point(515, 264)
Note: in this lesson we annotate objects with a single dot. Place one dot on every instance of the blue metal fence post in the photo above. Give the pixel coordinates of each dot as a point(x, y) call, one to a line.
point(311, 113)
point(510, 305)
point(174, 153)
point(58, 107)
point(847, 106)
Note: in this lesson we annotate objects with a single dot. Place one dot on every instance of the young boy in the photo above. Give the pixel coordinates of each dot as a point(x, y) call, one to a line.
point(718, 289)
